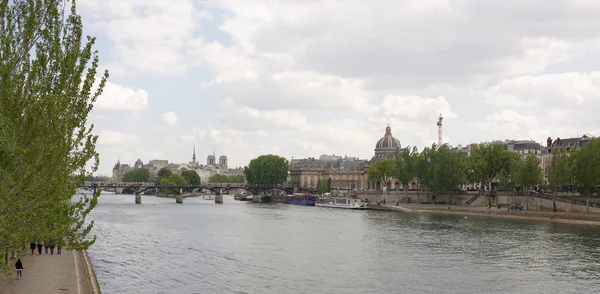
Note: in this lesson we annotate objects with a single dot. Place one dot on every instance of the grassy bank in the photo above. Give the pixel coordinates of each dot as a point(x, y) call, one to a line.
point(560, 217)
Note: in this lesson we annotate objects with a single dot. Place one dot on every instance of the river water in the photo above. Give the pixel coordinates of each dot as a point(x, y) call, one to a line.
point(240, 247)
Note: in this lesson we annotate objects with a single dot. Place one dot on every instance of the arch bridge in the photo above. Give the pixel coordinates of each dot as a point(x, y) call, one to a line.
point(218, 188)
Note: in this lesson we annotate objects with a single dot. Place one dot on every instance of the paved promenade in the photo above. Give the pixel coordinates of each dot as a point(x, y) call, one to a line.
point(561, 217)
point(66, 273)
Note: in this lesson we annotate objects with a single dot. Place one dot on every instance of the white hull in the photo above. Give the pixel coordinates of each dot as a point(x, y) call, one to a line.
point(340, 206)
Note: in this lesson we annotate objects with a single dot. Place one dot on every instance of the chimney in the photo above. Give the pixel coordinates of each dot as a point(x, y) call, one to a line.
point(549, 142)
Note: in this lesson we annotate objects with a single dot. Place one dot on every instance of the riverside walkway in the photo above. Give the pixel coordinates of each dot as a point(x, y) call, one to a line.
point(66, 273)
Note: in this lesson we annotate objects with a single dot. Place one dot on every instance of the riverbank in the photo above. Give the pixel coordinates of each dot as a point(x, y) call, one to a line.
point(69, 272)
point(560, 217)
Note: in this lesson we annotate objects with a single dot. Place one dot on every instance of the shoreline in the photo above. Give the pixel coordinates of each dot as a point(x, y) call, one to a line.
point(91, 273)
point(558, 217)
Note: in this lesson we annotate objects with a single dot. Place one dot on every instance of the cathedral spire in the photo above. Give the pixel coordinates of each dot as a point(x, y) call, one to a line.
point(194, 156)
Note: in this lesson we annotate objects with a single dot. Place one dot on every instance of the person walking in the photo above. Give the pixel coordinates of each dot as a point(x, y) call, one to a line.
point(59, 246)
point(51, 247)
point(46, 246)
point(19, 266)
point(39, 246)
point(32, 246)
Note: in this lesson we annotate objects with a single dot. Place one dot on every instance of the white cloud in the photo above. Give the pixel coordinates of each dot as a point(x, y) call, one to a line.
point(571, 90)
point(113, 138)
point(147, 36)
point(170, 118)
point(119, 98)
point(301, 78)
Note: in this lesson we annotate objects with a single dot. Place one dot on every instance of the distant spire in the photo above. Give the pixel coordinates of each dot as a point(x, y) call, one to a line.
point(194, 156)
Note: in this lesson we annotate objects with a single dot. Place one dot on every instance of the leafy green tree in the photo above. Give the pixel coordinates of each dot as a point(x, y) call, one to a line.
point(529, 174)
point(137, 175)
point(191, 177)
point(47, 148)
point(508, 178)
point(424, 167)
point(220, 178)
point(559, 173)
point(586, 162)
point(448, 172)
point(382, 171)
point(163, 173)
point(173, 180)
point(324, 186)
point(405, 166)
point(267, 170)
point(486, 162)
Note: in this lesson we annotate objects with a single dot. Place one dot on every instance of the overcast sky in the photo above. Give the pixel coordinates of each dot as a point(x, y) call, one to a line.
point(302, 78)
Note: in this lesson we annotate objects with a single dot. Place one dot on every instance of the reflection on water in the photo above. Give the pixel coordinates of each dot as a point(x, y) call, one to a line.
point(240, 247)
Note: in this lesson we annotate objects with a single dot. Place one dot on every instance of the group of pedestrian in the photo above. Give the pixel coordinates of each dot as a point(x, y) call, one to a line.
point(46, 245)
point(40, 246)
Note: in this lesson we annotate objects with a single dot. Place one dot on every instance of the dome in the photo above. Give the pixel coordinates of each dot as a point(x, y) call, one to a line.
point(387, 143)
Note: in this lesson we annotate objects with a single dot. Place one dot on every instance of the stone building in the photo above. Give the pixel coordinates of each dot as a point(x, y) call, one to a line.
point(346, 173)
point(119, 170)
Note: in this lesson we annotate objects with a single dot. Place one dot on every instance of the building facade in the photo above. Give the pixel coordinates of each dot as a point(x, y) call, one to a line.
point(346, 173)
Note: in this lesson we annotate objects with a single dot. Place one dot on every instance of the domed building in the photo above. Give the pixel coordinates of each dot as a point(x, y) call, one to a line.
point(387, 146)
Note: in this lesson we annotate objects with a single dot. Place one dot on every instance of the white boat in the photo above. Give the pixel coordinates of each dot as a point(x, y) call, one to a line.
point(208, 197)
point(346, 203)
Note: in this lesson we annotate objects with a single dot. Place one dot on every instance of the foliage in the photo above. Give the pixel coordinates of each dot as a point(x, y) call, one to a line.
point(219, 178)
point(92, 178)
point(405, 165)
point(267, 170)
point(529, 173)
point(163, 173)
point(382, 171)
point(487, 161)
point(423, 166)
point(137, 175)
point(586, 163)
point(47, 149)
point(559, 173)
point(448, 172)
point(324, 186)
point(508, 178)
point(191, 177)
point(173, 180)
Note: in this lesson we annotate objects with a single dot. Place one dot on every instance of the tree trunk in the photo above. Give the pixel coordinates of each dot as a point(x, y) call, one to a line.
point(554, 201)
point(527, 199)
point(587, 203)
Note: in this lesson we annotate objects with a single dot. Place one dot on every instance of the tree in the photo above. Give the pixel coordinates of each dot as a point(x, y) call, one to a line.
point(173, 180)
point(486, 162)
point(405, 166)
point(191, 177)
point(137, 175)
point(586, 162)
point(382, 171)
point(508, 177)
point(448, 172)
point(529, 174)
point(220, 178)
point(324, 186)
point(47, 149)
point(163, 173)
point(424, 167)
point(267, 170)
point(559, 173)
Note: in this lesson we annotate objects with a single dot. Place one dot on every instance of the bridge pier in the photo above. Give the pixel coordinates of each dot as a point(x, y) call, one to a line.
point(118, 190)
point(179, 199)
point(138, 198)
point(218, 198)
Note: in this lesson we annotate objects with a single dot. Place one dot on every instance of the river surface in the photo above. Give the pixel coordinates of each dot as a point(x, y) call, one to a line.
point(240, 247)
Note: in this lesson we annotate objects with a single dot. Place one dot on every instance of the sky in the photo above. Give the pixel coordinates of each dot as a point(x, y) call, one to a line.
point(301, 78)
